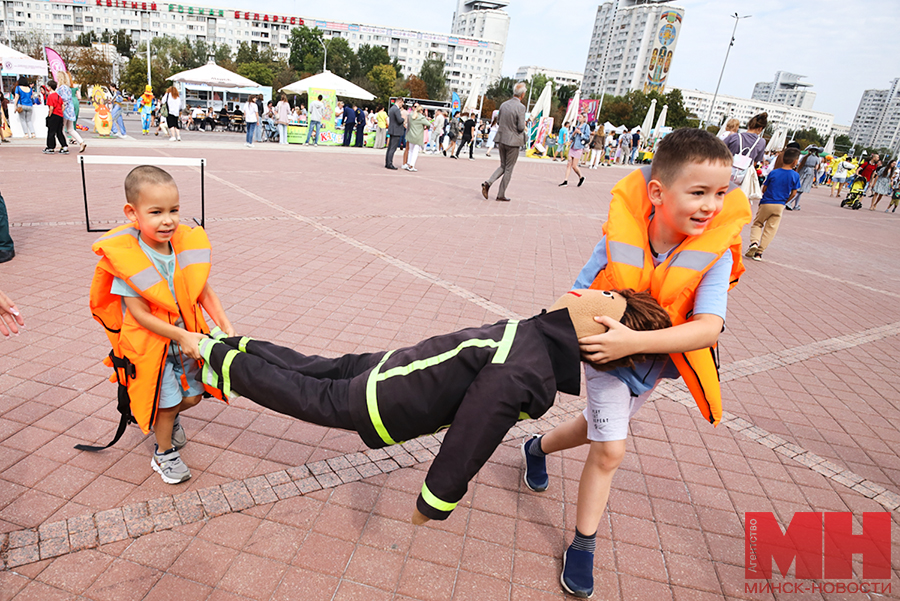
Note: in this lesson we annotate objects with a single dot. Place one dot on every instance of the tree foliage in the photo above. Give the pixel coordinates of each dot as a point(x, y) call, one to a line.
point(631, 108)
point(258, 72)
point(342, 61)
point(368, 57)
point(432, 73)
point(91, 67)
point(134, 77)
point(306, 49)
point(384, 79)
point(416, 88)
point(501, 90)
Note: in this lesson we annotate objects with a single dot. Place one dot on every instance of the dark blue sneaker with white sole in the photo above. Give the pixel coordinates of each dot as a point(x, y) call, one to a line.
point(536, 477)
point(577, 576)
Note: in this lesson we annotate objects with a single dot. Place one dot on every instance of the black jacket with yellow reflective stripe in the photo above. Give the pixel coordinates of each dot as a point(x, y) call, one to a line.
point(479, 380)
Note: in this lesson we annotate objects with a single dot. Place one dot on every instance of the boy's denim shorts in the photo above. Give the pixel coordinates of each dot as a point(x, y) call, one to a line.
point(170, 391)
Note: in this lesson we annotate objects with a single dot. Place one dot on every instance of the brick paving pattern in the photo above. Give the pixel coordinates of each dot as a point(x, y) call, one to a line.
point(329, 253)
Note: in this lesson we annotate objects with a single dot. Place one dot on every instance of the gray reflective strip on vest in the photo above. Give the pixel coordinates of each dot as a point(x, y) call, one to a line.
point(628, 254)
point(133, 232)
point(146, 279)
point(697, 260)
point(192, 257)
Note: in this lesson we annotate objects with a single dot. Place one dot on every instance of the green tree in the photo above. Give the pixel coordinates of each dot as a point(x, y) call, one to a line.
point(565, 94)
point(92, 68)
point(222, 54)
point(416, 88)
point(283, 77)
point(258, 72)
point(369, 56)
point(432, 73)
point(384, 79)
point(246, 53)
point(342, 60)
point(501, 90)
point(134, 77)
point(86, 39)
point(306, 50)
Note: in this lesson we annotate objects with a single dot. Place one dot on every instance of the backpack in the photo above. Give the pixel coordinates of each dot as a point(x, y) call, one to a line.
point(742, 162)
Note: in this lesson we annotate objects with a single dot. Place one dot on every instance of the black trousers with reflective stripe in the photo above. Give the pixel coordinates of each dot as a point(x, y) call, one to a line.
point(308, 387)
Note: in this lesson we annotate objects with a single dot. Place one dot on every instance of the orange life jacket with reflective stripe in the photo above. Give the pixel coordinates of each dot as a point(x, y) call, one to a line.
point(139, 356)
point(673, 283)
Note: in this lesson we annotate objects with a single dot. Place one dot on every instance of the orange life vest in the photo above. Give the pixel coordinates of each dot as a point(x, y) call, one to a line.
point(674, 282)
point(138, 355)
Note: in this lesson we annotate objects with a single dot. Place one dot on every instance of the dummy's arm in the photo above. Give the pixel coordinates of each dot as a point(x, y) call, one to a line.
point(489, 409)
point(701, 331)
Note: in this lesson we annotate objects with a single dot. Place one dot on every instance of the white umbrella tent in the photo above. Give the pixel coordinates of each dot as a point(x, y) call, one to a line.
point(776, 142)
point(542, 106)
point(13, 62)
point(572, 111)
point(829, 145)
point(647, 125)
point(661, 122)
point(215, 76)
point(328, 81)
point(471, 105)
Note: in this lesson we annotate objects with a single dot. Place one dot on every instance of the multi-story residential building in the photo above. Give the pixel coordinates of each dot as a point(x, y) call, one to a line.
point(468, 59)
point(484, 20)
point(563, 78)
point(780, 115)
point(877, 120)
point(787, 89)
point(631, 47)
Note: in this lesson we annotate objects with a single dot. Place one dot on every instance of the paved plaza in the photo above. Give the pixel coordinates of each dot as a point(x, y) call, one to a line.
point(326, 251)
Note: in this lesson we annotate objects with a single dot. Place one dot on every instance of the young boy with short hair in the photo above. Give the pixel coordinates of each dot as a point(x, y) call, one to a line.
point(780, 187)
point(149, 291)
point(673, 229)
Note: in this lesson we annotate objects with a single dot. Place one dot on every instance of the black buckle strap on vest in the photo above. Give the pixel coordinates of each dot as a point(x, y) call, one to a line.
point(124, 401)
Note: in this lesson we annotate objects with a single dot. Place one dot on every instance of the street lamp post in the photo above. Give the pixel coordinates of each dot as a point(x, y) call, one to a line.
point(730, 44)
point(325, 62)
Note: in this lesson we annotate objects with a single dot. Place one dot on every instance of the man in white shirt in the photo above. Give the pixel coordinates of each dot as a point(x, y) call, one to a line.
point(316, 114)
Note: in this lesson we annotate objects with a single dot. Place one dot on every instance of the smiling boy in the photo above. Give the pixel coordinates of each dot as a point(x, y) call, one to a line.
point(148, 291)
point(673, 229)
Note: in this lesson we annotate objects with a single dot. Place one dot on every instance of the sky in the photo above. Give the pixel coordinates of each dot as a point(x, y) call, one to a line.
point(818, 39)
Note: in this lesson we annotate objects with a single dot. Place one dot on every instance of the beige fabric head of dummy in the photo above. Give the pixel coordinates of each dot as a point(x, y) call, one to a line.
point(584, 305)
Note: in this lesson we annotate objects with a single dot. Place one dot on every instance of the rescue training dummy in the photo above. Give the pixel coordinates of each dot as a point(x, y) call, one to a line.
point(478, 382)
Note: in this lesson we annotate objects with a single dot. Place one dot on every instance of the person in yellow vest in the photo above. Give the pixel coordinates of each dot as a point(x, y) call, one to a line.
point(149, 291)
point(674, 228)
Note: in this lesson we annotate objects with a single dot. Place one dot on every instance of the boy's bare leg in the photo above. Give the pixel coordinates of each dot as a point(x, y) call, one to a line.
point(162, 429)
point(601, 464)
point(569, 435)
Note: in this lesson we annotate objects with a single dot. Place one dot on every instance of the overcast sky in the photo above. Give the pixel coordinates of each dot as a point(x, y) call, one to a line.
point(856, 38)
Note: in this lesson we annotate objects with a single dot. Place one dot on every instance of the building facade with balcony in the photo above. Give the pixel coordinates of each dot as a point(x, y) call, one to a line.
point(468, 60)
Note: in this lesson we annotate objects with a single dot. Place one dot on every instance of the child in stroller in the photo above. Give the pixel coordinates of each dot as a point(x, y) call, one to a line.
point(855, 194)
point(270, 130)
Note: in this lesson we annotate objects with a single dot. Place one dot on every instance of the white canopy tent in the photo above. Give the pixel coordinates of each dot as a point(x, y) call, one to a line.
point(542, 105)
point(214, 76)
point(724, 123)
point(328, 81)
point(18, 63)
point(471, 105)
point(647, 125)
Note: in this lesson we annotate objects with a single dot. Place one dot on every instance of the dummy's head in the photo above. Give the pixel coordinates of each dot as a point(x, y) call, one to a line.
point(635, 310)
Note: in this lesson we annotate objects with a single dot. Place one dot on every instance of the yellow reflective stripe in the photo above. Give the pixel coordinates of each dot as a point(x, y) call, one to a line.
point(405, 370)
point(242, 345)
point(523, 415)
point(509, 334)
point(210, 377)
point(372, 401)
point(432, 500)
point(226, 372)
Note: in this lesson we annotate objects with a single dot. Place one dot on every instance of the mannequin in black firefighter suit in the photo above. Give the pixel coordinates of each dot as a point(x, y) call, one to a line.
point(481, 380)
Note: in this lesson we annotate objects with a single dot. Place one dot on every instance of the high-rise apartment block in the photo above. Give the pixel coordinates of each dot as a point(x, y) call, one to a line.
point(877, 120)
point(632, 46)
point(785, 89)
point(485, 20)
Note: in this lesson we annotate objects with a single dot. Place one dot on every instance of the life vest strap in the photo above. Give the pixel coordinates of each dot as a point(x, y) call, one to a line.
point(124, 402)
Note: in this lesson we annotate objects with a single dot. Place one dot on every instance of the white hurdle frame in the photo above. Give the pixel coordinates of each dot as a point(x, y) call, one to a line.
point(131, 160)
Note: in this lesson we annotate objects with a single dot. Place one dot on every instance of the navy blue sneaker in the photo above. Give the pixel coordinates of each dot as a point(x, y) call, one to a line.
point(577, 576)
point(536, 477)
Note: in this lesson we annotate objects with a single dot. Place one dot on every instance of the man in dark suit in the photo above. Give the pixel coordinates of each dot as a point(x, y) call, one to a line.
point(510, 137)
point(396, 130)
point(349, 123)
point(360, 126)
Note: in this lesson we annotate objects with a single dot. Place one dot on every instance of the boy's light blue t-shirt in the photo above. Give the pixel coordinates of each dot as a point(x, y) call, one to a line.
point(711, 297)
point(562, 137)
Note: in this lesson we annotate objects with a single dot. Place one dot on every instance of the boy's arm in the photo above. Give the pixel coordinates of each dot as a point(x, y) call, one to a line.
point(140, 310)
point(209, 300)
point(701, 331)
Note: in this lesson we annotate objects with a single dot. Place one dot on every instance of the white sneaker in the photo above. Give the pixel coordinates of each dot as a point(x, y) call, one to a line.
point(405, 166)
point(412, 169)
point(171, 139)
